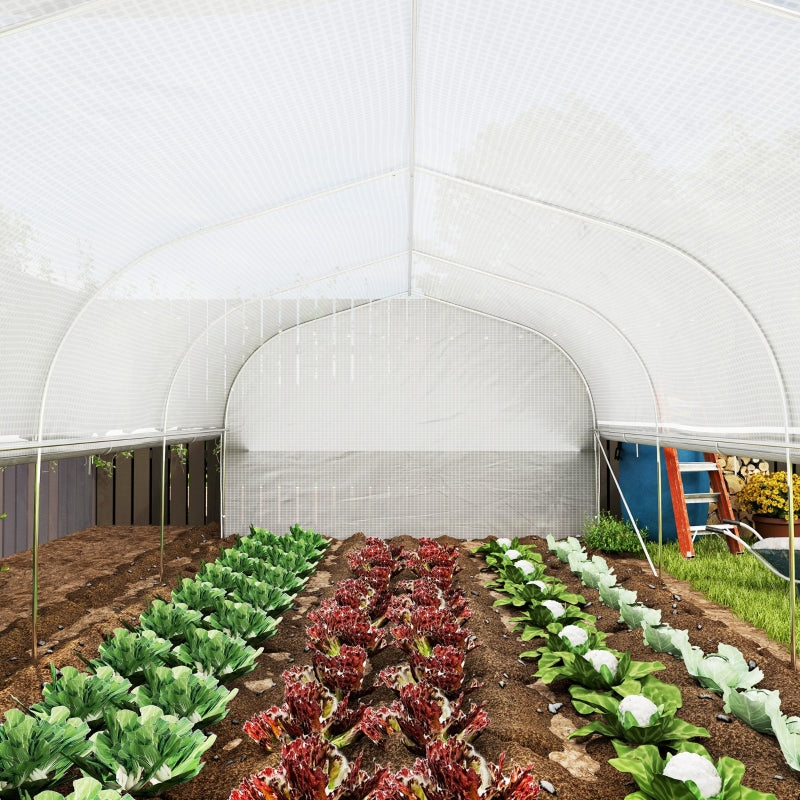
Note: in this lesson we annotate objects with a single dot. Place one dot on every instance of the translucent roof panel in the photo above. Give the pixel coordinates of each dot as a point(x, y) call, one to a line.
point(183, 181)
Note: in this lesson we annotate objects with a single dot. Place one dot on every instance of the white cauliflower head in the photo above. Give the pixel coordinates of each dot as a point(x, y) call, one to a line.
point(541, 584)
point(524, 565)
point(574, 635)
point(690, 766)
point(642, 708)
point(555, 608)
point(504, 543)
point(599, 657)
point(513, 554)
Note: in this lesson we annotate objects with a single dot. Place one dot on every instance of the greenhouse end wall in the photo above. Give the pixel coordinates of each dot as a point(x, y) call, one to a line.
point(413, 417)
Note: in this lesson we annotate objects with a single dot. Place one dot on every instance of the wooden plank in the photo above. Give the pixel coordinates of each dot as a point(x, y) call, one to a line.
point(177, 487)
point(212, 482)
point(197, 483)
point(123, 491)
point(4, 549)
point(678, 502)
point(141, 486)
point(25, 506)
point(156, 471)
point(104, 496)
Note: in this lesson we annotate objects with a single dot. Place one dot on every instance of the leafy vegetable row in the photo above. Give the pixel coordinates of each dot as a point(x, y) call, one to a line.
point(132, 722)
point(636, 710)
point(725, 672)
point(322, 712)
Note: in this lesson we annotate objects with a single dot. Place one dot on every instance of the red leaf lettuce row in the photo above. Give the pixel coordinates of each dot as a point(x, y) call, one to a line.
point(336, 625)
point(311, 768)
point(309, 708)
point(423, 713)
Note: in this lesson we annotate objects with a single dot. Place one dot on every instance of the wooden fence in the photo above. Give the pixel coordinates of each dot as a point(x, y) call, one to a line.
point(75, 494)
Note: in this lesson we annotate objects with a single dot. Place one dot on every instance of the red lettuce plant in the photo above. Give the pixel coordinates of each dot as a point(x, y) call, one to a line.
point(311, 768)
point(427, 627)
point(426, 592)
point(444, 669)
point(335, 625)
point(374, 554)
point(430, 556)
point(423, 713)
point(342, 673)
point(454, 770)
point(363, 594)
point(309, 708)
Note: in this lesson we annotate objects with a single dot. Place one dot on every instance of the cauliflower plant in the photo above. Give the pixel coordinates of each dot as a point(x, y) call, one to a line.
point(693, 767)
point(598, 658)
point(554, 607)
point(574, 635)
point(642, 708)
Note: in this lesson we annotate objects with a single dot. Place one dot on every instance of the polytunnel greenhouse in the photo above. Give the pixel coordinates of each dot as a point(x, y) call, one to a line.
point(402, 253)
point(396, 267)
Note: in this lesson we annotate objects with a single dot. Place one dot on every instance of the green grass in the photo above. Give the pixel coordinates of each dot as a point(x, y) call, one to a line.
point(741, 583)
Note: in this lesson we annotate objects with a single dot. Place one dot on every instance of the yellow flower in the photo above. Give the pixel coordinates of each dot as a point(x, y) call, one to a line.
point(768, 495)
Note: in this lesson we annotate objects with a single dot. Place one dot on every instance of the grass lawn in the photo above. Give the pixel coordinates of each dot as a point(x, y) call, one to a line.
point(741, 583)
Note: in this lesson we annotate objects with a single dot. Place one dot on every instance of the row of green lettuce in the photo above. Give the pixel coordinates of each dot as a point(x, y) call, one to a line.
point(726, 672)
point(636, 710)
point(134, 721)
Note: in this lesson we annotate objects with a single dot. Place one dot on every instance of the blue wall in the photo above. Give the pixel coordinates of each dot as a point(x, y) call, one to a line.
point(638, 479)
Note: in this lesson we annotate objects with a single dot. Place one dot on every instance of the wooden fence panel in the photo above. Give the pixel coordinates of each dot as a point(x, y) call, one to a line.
point(104, 497)
point(75, 495)
point(197, 483)
point(141, 486)
point(123, 490)
point(177, 487)
point(212, 481)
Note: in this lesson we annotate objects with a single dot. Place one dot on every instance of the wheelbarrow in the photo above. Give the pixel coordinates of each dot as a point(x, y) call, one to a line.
point(773, 552)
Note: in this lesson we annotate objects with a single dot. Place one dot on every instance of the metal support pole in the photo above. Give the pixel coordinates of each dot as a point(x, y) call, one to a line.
point(35, 577)
point(792, 587)
point(163, 502)
point(658, 492)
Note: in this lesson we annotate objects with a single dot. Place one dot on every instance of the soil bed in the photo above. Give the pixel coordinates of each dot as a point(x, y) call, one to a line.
point(94, 579)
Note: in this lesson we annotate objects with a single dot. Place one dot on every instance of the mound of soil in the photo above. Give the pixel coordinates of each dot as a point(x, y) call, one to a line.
point(93, 580)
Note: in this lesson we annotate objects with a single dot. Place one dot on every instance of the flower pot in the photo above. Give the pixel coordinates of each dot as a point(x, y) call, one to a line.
point(771, 527)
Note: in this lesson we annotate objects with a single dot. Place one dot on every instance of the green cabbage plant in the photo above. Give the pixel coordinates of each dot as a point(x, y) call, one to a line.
point(644, 713)
point(86, 695)
point(218, 575)
point(36, 752)
point(638, 614)
point(85, 788)
point(787, 732)
point(614, 595)
point(131, 653)
point(725, 669)
point(665, 639)
point(755, 707)
point(169, 620)
point(562, 548)
point(242, 620)
point(262, 596)
point(145, 753)
point(198, 595)
point(213, 653)
point(261, 570)
point(688, 774)
point(182, 693)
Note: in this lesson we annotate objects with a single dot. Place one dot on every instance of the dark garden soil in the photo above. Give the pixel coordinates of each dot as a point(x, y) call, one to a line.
point(94, 579)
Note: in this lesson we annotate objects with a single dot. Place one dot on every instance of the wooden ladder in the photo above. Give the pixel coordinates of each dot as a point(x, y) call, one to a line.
point(718, 493)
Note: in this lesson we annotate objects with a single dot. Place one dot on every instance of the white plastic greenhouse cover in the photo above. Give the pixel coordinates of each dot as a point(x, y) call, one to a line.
point(185, 180)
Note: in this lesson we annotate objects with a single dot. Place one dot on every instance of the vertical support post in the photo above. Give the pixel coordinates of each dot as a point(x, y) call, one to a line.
point(792, 576)
point(163, 504)
point(37, 481)
point(658, 504)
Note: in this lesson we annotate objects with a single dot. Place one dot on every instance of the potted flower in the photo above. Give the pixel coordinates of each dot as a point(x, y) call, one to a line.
point(766, 497)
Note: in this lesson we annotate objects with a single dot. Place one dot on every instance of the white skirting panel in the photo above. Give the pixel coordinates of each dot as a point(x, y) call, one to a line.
point(409, 417)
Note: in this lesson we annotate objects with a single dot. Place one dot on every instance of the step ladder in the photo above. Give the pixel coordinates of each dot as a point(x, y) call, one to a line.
point(718, 494)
